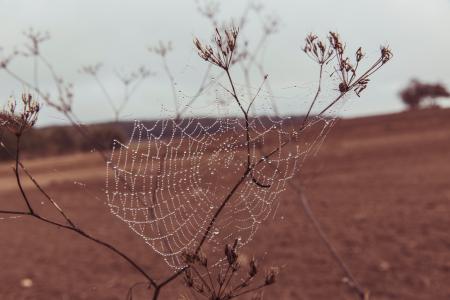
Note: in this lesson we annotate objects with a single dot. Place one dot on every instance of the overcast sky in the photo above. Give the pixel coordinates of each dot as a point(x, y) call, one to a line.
point(117, 34)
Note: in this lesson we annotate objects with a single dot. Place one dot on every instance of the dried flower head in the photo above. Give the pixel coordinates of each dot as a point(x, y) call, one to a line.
point(271, 275)
point(188, 278)
point(192, 258)
point(162, 49)
point(386, 54)
point(231, 253)
point(65, 95)
point(317, 50)
point(35, 38)
point(359, 54)
point(335, 41)
point(209, 9)
point(224, 282)
point(270, 24)
point(5, 60)
point(225, 46)
point(91, 69)
point(18, 122)
point(345, 69)
point(253, 268)
point(188, 257)
point(144, 72)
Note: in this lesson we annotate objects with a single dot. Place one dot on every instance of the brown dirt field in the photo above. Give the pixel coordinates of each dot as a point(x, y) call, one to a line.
point(379, 185)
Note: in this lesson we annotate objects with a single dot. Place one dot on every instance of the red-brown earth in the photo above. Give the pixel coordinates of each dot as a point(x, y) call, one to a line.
point(378, 185)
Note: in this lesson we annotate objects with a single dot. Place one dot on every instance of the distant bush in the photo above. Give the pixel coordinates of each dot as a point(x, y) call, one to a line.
point(102, 137)
point(417, 94)
point(59, 140)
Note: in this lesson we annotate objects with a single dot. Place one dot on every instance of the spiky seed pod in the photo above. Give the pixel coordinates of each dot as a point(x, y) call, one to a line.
point(253, 270)
point(271, 276)
point(18, 122)
point(225, 45)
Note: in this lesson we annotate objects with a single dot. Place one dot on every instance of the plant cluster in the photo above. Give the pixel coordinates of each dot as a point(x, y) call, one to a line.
point(215, 282)
point(17, 122)
point(226, 281)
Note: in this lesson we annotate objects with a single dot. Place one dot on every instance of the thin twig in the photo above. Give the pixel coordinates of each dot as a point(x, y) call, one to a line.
point(71, 226)
point(38, 186)
point(305, 120)
point(203, 86)
point(11, 212)
point(172, 85)
point(16, 173)
point(354, 284)
point(250, 290)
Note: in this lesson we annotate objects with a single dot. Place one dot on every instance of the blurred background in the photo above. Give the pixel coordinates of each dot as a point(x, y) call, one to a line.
point(377, 187)
point(118, 36)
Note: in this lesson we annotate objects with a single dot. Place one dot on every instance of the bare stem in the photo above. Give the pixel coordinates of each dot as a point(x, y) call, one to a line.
point(16, 172)
point(305, 120)
point(354, 284)
point(203, 86)
point(71, 225)
point(250, 290)
point(172, 85)
point(219, 210)
point(11, 212)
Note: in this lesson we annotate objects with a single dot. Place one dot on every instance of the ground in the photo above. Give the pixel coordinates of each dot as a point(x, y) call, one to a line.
point(379, 186)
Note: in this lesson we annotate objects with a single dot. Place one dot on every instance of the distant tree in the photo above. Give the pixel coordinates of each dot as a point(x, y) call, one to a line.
point(417, 93)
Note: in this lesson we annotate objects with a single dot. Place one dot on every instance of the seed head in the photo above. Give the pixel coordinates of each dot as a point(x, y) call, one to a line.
point(335, 41)
point(188, 257)
point(35, 39)
point(231, 254)
point(225, 44)
point(253, 270)
point(188, 278)
point(271, 275)
point(162, 49)
point(18, 122)
point(317, 50)
point(91, 69)
point(386, 54)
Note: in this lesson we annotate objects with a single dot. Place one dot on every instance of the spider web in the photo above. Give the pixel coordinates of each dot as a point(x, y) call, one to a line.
point(169, 180)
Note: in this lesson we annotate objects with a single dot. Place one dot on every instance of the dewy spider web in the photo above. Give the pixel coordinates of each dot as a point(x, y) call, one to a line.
point(167, 182)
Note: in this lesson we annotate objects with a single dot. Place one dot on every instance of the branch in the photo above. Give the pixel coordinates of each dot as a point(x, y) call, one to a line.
point(10, 212)
point(172, 85)
point(219, 210)
point(305, 120)
point(16, 173)
point(71, 226)
point(354, 284)
point(201, 89)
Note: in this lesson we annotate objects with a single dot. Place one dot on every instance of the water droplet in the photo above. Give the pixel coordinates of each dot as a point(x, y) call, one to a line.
point(26, 282)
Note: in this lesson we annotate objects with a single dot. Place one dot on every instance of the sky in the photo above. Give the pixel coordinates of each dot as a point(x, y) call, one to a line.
point(118, 33)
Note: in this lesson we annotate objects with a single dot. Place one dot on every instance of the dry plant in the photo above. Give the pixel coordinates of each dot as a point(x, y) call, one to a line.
point(162, 50)
point(62, 101)
point(323, 53)
point(249, 57)
point(222, 53)
point(349, 279)
point(130, 83)
point(253, 58)
point(228, 282)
